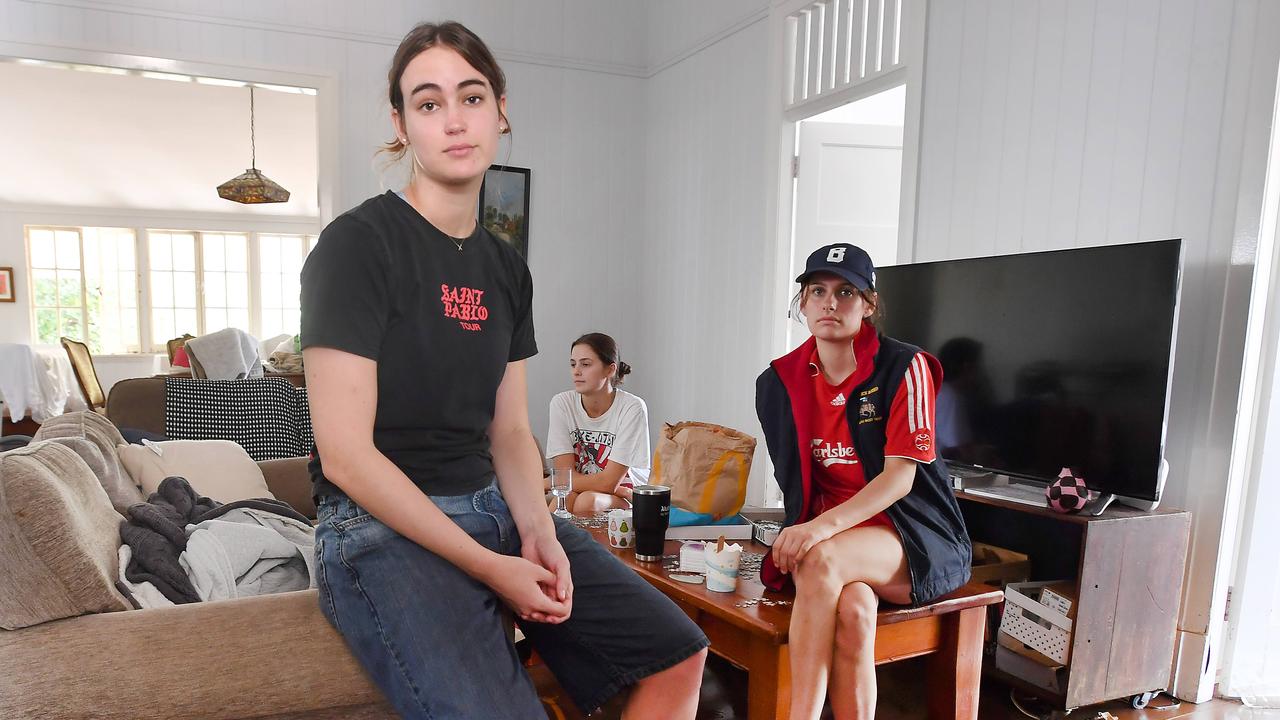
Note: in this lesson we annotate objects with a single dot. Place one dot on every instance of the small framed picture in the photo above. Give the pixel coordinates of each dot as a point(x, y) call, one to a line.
point(504, 205)
point(6, 285)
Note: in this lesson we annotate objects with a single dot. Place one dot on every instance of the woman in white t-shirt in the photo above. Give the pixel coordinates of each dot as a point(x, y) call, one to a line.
point(597, 430)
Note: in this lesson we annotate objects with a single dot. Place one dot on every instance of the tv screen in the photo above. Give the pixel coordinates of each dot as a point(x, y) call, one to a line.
point(1051, 359)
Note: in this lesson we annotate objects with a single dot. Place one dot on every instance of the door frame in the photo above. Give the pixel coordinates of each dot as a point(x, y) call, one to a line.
point(782, 134)
point(781, 128)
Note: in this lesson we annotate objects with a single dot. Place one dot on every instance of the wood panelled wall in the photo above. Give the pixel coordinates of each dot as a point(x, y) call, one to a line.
point(1057, 124)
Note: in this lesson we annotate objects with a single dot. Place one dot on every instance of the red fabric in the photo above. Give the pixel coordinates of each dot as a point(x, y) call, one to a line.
point(837, 474)
point(910, 431)
point(180, 358)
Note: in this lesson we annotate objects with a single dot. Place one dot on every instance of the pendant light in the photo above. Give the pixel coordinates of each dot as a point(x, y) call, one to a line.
point(252, 187)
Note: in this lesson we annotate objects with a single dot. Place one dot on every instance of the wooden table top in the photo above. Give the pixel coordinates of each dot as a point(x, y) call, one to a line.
point(772, 621)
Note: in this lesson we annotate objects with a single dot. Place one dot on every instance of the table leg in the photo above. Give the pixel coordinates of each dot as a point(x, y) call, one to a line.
point(769, 682)
point(955, 670)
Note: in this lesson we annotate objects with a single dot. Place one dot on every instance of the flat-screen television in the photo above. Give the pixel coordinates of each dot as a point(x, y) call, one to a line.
point(1052, 360)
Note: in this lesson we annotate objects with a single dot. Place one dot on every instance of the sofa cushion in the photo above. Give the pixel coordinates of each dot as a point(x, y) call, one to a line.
point(58, 538)
point(242, 658)
point(93, 427)
point(217, 469)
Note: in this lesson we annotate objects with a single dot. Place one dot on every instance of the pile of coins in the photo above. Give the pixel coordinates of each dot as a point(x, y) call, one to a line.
point(596, 522)
point(750, 602)
point(749, 566)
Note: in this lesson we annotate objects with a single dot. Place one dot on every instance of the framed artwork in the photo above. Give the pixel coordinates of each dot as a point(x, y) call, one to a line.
point(504, 205)
point(6, 285)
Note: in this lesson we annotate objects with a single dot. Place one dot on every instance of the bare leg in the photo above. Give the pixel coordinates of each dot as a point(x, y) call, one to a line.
point(853, 668)
point(872, 555)
point(590, 502)
point(670, 694)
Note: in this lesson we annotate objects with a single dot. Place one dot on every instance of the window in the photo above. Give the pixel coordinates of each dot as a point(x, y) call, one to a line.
point(95, 280)
point(173, 285)
point(280, 263)
point(83, 286)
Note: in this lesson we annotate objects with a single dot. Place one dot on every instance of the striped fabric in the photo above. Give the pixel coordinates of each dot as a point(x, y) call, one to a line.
point(920, 393)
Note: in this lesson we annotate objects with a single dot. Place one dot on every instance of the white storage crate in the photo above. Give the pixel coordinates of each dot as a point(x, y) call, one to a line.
point(1040, 627)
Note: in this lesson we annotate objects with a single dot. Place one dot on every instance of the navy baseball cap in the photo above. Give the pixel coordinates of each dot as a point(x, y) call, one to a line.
point(848, 261)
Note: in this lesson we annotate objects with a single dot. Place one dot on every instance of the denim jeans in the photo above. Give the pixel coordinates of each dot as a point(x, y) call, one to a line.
point(432, 637)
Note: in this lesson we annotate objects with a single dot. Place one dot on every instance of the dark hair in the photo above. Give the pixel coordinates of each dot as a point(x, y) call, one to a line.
point(448, 34)
point(605, 348)
point(871, 297)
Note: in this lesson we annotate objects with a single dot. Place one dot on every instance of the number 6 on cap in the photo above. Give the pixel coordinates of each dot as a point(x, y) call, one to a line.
point(835, 255)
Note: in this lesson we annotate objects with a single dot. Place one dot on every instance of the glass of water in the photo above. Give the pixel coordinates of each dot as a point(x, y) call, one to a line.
point(561, 486)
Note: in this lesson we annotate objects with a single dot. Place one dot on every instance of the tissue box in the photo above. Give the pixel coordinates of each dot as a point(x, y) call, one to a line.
point(693, 557)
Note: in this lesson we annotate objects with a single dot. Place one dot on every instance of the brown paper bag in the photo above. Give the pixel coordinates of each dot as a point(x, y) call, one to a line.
point(705, 465)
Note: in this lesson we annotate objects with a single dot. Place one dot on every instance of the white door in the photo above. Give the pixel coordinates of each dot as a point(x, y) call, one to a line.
point(847, 188)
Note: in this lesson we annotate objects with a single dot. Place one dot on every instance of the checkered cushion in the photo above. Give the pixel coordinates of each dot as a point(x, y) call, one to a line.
point(268, 416)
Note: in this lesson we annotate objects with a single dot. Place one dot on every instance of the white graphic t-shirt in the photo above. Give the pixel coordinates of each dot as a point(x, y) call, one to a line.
point(621, 434)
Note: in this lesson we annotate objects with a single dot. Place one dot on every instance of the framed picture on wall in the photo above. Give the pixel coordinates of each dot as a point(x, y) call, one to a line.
point(6, 285)
point(504, 205)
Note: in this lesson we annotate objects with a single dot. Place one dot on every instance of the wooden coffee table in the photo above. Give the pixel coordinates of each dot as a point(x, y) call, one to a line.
point(754, 636)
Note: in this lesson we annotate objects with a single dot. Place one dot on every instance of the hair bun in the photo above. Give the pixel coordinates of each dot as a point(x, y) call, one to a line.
point(623, 369)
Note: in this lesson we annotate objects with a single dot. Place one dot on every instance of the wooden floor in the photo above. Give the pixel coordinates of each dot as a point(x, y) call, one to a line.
point(902, 698)
point(900, 685)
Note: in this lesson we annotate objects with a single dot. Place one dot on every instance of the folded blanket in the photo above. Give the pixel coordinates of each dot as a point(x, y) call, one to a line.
point(143, 594)
point(156, 530)
point(228, 354)
point(248, 551)
point(286, 362)
point(191, 548)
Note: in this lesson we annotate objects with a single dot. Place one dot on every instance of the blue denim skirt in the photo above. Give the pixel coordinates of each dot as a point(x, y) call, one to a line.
point(432, 638)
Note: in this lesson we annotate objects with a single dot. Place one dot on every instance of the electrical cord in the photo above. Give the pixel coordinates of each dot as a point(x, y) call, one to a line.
point(1013, 698)
point(1171, 706)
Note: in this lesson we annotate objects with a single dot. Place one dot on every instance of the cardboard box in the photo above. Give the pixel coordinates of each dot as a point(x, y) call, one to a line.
point(1053, 679)
point(1042, 628)
point(996, 566)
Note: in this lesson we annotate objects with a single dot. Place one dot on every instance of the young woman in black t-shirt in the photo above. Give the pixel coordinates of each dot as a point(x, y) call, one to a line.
point(416, 323)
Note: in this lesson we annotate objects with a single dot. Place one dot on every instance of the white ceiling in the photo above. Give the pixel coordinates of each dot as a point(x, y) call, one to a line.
point(90, 139)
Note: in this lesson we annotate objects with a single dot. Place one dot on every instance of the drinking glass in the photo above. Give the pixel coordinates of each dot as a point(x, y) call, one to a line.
point(561, 486)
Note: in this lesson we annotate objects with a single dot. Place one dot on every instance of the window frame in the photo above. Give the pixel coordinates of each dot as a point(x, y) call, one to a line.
point(147, 343)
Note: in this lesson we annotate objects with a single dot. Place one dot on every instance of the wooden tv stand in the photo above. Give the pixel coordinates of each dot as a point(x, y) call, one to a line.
point(1128, 566)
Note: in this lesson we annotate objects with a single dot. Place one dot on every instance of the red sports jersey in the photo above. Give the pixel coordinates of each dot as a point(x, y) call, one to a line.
point(837, 472)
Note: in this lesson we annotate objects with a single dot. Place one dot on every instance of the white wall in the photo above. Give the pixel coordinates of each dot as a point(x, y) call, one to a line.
point(1057, 124)
point(702, 326)
point(574, 67)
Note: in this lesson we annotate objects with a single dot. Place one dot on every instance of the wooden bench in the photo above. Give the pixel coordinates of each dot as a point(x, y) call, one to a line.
point(753, 636)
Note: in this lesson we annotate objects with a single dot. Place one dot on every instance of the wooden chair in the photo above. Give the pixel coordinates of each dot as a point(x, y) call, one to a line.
point(173, 345)
point(87, 377)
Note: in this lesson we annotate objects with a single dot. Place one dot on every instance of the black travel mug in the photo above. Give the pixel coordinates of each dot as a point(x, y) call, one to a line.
point(650, 511)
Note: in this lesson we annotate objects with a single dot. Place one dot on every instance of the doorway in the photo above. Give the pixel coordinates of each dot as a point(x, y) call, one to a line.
point(846, 184)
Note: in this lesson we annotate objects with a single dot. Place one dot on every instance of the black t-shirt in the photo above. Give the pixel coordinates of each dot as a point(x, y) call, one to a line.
point(442, 324)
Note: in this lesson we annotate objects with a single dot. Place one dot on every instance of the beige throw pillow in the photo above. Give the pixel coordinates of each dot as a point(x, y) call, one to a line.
point(59, 538)
point(93, 427)
point(218, 469)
